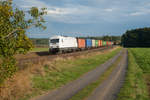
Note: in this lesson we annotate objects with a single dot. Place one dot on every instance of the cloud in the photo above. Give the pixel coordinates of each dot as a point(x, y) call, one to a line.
point(89, 11)
point(56, 11)
point(31, 3)
point(109, 9)
point(69, 12)
point(140, 12)
point(91, 16)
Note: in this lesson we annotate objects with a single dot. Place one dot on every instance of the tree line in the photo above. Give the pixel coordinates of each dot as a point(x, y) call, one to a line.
point(42, 42)
point(136, 38)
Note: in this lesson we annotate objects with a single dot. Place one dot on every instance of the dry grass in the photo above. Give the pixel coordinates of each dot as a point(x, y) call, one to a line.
point(16, 86)
point(25, 56)
point(21, 83)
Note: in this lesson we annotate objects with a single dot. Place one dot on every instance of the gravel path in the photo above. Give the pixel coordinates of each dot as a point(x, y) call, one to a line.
point(109, 89)
point(67, 91)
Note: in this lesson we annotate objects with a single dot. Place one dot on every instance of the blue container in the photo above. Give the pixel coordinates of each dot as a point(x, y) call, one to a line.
point(88, 43)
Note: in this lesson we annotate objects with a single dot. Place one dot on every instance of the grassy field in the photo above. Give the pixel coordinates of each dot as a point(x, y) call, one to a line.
point(135, 87)
point(39, 49)
point(62, 71)
point(88, 89)
point(142, 57)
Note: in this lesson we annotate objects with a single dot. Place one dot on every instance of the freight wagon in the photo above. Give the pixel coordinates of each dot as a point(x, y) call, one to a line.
point(81, 44)
point(104, 43)
point(93, 43)
point(100, 43)
point(69, 44)
point(96, 43)
point(88, 43)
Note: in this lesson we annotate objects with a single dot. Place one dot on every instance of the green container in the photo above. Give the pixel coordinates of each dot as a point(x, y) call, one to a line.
point(104, 43)
point(96, 43)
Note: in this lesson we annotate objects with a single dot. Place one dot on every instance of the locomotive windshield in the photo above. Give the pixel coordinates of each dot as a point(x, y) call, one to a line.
point(54, 41)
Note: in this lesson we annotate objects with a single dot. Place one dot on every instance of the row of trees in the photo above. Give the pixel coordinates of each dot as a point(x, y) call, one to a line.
point(136, 38)
point(42, 42)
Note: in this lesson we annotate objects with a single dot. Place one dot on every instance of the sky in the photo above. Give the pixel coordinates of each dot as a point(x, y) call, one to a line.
point(89, 17)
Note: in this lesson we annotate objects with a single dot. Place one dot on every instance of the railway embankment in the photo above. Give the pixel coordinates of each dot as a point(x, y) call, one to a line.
point(44, 76)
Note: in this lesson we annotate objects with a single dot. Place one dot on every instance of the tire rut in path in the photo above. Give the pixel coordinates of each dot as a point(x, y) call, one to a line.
point(70, 89)
point(109, 89)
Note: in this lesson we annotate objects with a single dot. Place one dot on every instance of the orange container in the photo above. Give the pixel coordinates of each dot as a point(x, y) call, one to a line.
point(81, 43)
point(107, 42)
point(100, 43)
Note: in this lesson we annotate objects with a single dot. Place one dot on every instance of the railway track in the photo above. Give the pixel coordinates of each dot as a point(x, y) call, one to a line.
point(42, 56)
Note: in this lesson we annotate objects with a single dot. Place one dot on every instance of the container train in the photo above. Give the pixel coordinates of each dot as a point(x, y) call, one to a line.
point(63, 44)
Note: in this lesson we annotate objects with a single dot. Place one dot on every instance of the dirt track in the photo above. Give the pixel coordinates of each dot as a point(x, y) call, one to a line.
point(109, 89)
point(67, 91)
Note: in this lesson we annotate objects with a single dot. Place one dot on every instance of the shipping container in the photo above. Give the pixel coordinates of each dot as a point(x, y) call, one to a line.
point(96, 43)
point(104, 43)
point(110, 43)
point(100, 43)
point(88, 43)
point(107, 43)
point(81, 43)
point(93, 43)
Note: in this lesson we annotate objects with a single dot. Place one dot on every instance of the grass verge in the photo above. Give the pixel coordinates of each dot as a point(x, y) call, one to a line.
point(134, 87)
point(39, 49)
point(81, 95)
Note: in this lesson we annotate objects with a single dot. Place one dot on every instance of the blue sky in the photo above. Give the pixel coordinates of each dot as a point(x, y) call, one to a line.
point(89, 17)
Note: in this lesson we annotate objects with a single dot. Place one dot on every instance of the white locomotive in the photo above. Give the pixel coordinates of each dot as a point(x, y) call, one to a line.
point(62, 44)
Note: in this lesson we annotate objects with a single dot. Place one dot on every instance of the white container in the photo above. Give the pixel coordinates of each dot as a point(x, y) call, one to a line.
point(63, 43)
point(93, 43)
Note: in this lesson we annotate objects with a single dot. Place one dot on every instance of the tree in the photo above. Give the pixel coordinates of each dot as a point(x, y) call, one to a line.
point(136, 38)
point(13, 38)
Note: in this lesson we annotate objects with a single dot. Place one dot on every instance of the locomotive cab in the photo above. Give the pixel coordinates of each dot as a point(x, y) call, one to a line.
point(54, 44)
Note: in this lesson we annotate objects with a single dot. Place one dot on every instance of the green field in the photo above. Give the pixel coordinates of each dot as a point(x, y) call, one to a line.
point(142, 56)
point(39, 49)
point(135, 86)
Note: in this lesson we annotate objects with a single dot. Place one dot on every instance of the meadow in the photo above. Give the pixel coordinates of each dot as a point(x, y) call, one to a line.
point(136, 86)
